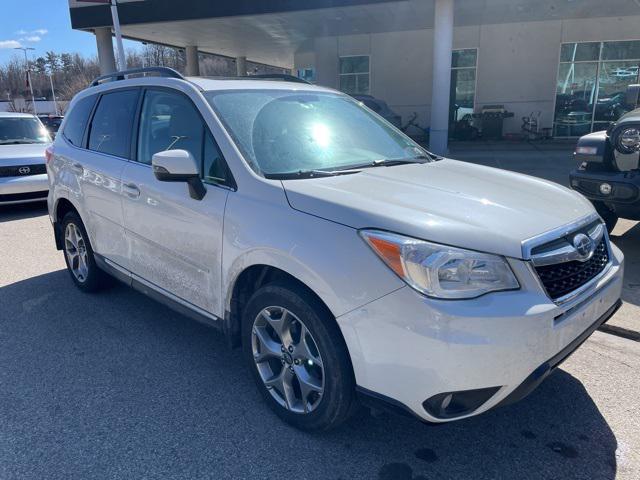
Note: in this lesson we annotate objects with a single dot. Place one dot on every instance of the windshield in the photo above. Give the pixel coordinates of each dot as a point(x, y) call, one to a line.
point(53, 124)
point(283, 132)
point(19, 130)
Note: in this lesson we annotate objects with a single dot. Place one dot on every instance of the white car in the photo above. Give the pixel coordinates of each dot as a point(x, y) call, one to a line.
point(350, 264)
point(23, 175)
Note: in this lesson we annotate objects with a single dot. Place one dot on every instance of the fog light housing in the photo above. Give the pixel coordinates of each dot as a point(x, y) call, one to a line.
point(605, 189)
point(457, 404)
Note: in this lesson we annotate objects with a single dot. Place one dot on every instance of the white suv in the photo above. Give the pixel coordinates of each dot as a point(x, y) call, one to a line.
point(350, 264)
point(23, 175)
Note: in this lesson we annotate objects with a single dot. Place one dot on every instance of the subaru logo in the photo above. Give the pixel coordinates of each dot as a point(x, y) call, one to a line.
point(584, 246)
point(24, 170)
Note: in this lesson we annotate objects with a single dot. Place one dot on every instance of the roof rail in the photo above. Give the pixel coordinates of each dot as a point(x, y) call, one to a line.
point(266, 76)
point(277, 76)
point(161, 71)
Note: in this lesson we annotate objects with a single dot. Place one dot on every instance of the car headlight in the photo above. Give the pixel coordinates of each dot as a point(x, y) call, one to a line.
point(628, 140)
point(441, 271)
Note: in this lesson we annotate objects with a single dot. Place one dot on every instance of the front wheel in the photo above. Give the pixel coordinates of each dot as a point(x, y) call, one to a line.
point(298, 357)
point(609, 216)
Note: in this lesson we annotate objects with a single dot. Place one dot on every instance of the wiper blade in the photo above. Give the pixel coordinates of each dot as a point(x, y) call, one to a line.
point(388, 162)
point(349, 169)
point(304, 174)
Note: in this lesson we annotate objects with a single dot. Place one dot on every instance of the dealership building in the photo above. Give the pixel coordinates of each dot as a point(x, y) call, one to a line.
point(564, 63)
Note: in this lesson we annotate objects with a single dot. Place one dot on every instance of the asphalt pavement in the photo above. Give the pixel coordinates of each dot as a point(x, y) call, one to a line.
point(114, 385)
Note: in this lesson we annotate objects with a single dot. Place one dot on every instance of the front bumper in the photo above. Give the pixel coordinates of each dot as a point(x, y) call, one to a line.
point(31, 188)
point(409, 349)
point(624, 198)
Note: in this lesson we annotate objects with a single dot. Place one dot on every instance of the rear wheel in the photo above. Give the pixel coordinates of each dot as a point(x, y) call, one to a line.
point(609, 216)
point(298, 357)
point(78, 255)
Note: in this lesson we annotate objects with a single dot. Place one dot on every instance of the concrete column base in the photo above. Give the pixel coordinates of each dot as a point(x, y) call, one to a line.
point(439, 142)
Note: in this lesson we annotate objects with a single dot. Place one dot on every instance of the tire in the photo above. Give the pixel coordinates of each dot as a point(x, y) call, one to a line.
point(609, 216)
point(80, 254)
point(320, 361)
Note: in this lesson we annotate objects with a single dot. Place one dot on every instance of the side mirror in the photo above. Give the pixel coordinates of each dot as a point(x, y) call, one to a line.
point(633, 95)
point(179, 166)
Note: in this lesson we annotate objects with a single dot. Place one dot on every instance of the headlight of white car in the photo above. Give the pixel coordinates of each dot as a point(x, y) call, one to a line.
point(441, 271)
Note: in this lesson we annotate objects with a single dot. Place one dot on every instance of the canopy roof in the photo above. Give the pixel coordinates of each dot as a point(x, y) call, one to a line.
point(271, 31)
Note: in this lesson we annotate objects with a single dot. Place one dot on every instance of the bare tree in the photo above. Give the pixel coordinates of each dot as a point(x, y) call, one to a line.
point(72, 72)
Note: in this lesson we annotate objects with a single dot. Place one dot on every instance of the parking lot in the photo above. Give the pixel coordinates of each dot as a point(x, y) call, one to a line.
point(114, 385)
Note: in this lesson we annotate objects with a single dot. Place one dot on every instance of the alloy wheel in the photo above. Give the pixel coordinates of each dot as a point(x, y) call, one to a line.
point(288, 360)
point(75, 249)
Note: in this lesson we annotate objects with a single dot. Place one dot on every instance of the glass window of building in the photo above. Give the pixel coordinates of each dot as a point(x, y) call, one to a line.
point(463, 91)
point(354, 74)
point(592, 82)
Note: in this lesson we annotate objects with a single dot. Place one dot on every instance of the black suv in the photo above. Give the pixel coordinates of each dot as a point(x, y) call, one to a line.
point(608, 171)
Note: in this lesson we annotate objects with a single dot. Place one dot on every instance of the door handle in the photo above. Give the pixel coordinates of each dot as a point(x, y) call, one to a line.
point(131, 190)
point(77, 168)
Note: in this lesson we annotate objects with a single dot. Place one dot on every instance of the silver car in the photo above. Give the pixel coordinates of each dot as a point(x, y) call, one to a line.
point(23, 175)
point(350, 264)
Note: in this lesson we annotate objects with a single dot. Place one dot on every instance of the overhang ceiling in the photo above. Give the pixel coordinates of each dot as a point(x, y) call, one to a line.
point(274, 36)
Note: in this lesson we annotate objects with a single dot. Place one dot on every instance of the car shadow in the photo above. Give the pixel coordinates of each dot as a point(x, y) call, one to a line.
point(115, 385)
point(21, 211)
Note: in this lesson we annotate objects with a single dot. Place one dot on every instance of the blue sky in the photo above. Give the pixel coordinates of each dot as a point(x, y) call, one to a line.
point(44, 25)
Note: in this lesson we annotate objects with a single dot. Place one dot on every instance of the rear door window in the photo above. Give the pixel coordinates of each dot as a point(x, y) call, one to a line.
point(112, 123)
point(77, 120)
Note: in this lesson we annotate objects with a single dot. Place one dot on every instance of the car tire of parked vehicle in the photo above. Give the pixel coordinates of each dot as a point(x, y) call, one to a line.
point(320, 355)
point(78, 255)
point(609, 216)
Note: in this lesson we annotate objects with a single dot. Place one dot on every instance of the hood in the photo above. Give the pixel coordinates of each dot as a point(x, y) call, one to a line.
point(632, 116)
point(27, 154)
point(449, 202)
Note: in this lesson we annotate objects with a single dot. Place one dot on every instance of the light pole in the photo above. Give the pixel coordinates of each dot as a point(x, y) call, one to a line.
point(26, 66)
point(116, 28)
point(53, 93)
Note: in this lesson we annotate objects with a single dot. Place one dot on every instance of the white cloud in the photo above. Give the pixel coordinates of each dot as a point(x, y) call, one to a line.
point(34, 38)
point(37, 31)
point(10, 44)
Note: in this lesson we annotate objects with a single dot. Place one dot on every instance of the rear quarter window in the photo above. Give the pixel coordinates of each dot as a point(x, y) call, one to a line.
point(77, 120)
point(112, 123)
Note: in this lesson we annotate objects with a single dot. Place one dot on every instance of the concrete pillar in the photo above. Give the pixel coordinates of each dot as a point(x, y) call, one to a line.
point(193, 63)
point(241, 66)
point(442, 47)
point(106, 58)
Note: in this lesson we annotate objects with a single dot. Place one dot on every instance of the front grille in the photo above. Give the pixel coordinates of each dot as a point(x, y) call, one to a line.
point(563, 278)
point(14, 170)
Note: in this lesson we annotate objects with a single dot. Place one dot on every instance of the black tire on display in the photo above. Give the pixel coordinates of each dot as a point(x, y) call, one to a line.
point(609, 216)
